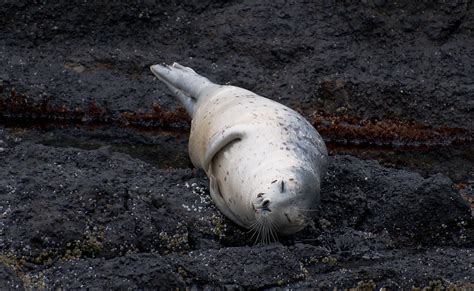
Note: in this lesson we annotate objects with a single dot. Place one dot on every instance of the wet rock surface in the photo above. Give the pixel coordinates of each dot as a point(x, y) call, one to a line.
point(74, 217)
point(113, 206)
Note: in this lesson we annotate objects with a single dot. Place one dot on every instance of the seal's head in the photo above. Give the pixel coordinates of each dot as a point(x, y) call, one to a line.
point(284, 203)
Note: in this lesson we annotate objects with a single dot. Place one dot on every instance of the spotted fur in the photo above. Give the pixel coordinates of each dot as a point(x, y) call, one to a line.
point(264, 160)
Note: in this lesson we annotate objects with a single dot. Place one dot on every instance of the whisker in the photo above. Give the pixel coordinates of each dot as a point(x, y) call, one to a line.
point(276, 230)
point(262, 239)
point(265, 231)
point(255, 231)
point(252, 227)
point(272, 234)
point(271, 237)
point(262, 230)
point(253, 234)
point(259, 232)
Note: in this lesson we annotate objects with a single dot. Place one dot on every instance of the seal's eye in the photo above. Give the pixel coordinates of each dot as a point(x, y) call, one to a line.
point(259, 195)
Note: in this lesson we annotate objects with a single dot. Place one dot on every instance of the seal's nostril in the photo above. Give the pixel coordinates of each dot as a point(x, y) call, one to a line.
point(265, 203)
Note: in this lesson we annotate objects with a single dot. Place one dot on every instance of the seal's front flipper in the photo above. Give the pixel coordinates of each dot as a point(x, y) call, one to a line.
point(218, 198)
point(183, 82)
point(220, 140)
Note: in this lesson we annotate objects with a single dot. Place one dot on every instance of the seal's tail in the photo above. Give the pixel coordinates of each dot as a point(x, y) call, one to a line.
point(184, 82)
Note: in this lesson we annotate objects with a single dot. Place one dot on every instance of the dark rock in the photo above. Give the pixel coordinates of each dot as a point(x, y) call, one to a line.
point(397, 60)
point(67, 210)
point(140, 271)
point(112, 208)
point(261, 266)
point(369, 197)
point(8, 279)
point(396, 270)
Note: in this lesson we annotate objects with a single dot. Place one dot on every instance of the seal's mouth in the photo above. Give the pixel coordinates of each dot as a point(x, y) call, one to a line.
point(263, 208)
point(284, 220)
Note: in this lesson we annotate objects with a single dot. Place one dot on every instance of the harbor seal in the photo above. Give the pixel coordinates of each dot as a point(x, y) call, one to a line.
point(265, 162)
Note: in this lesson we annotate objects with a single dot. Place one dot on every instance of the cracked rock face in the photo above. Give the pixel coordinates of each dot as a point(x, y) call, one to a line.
point(120, 208)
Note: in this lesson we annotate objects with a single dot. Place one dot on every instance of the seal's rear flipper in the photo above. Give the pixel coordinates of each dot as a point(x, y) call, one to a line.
point(183, 82)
